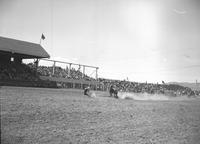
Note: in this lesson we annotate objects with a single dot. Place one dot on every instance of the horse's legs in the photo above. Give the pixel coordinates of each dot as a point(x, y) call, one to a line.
point(115, 94)
point(110, 94)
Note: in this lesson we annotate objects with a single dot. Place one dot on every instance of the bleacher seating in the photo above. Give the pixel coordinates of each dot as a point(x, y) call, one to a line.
point(13, 71)
point(150, 88)
point(25, 73)
point(21, 75)
point(60, 72)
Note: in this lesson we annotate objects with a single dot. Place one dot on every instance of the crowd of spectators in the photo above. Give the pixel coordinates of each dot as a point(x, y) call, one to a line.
point(122, 85)
point(13, 71)
point(127, 86)
point(19, 74)
point(60, 72)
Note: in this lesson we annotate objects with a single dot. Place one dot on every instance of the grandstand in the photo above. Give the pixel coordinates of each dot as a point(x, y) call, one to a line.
point(20, 49)
point(68, 77)
point(150, 88)
point(14, 72)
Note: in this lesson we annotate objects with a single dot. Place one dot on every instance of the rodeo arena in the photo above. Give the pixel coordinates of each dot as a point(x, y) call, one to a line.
point(49, 101)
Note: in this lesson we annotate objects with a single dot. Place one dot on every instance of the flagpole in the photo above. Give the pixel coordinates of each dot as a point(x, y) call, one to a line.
point(40, 40)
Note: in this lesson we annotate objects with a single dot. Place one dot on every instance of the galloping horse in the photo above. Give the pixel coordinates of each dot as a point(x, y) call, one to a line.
point(114, 91)
point(86, 91)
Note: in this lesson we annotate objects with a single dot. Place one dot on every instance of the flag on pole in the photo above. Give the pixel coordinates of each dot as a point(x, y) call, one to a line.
point(43, 37)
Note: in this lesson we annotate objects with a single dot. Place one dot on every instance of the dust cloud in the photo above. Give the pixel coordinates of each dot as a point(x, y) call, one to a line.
point(92, 94)
point(143, 96)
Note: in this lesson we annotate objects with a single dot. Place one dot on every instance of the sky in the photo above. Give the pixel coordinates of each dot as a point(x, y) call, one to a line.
point(142, 40)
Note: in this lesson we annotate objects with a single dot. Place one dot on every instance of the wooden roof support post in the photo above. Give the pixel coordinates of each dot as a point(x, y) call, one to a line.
point(96, 73)
point(54, 64)
point(83, 72)
point(36, 65)
point(69, 70)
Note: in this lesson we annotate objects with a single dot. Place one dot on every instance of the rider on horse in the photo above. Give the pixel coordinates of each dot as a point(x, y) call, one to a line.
point(86, 91)
point(113, 90)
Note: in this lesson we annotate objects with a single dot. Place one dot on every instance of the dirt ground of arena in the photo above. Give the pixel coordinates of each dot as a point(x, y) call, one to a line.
point(66, 116)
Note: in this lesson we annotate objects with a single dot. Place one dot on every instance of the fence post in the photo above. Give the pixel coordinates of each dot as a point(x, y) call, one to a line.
point(36, 65)
point(83, 72)
point(54, 63)
point(96, 73)
point(69, 70)
point(73, 85)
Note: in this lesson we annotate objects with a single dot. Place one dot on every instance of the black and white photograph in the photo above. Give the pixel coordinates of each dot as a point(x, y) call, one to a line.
point(100, 71)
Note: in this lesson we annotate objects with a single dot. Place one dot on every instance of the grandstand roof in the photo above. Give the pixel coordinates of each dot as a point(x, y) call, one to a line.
point(22, 48)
